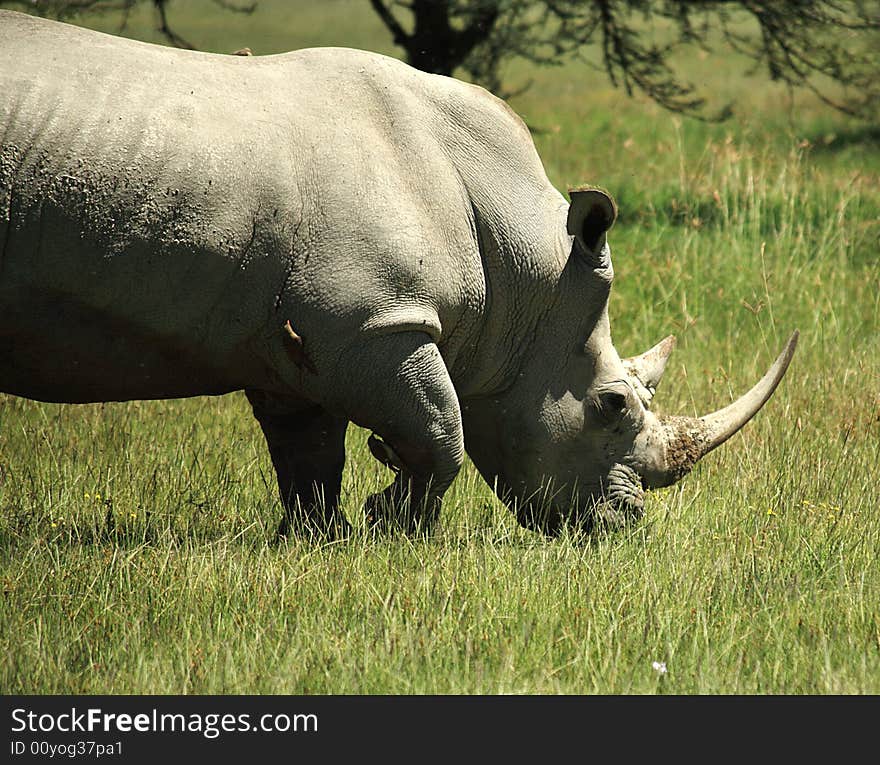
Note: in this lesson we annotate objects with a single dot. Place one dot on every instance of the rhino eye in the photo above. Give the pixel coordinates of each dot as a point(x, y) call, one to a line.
point(612, 402)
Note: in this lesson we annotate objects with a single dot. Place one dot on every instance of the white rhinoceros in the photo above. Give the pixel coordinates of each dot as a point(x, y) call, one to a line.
point(346, 239)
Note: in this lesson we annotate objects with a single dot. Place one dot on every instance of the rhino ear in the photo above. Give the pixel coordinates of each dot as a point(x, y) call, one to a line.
point(591, 213)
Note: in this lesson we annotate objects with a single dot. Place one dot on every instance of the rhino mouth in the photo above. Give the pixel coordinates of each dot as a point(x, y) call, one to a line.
point(623, 499)
point(615, 502)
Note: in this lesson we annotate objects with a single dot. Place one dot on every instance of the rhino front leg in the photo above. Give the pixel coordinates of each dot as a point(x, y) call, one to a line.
point(404, 394)
point(307, 446)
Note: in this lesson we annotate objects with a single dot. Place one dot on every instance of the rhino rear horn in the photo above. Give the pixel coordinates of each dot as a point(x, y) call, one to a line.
point(591, 213)
point(647, 369)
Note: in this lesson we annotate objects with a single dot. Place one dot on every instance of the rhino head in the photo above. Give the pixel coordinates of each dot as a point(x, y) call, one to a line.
point(572, 440)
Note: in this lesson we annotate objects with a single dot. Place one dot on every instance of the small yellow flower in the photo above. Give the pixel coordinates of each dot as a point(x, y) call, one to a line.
point(770, 511)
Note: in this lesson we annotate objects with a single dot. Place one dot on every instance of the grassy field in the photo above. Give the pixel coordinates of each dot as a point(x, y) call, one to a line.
point(135, 539)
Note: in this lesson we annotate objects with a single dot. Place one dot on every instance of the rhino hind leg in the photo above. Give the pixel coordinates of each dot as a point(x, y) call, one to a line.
point(307, 447)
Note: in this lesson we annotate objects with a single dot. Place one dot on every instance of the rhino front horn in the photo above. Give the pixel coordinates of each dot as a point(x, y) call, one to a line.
point(688, 439)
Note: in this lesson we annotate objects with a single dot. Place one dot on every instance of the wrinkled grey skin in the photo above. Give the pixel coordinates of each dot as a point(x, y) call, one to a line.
point(164, 214)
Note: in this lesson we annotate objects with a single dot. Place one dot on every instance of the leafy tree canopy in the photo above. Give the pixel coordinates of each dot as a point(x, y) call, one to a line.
point(828, 47)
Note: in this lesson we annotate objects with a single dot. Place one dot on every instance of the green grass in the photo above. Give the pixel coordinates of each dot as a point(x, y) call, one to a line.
point(135, 539)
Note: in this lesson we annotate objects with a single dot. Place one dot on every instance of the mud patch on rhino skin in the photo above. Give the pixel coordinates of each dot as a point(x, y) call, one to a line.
point(684, 447)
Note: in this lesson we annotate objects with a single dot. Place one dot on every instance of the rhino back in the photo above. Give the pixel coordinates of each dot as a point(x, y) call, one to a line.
point(164, 211)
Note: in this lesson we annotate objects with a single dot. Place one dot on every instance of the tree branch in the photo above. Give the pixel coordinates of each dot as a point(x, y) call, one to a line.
point(398, 33)
point(166, 30)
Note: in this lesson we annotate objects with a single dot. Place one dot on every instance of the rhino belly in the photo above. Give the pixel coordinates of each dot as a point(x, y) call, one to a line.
point(61, 351)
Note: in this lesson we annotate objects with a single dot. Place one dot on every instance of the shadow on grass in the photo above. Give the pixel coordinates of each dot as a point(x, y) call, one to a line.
point(160, 531)
point(167, 530)
point(832, 141)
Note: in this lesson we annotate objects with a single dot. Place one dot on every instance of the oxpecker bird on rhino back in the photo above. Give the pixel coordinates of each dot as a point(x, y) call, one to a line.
point(345, 239)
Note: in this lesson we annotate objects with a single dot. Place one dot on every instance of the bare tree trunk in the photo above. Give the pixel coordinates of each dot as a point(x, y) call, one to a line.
point(435, 45)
